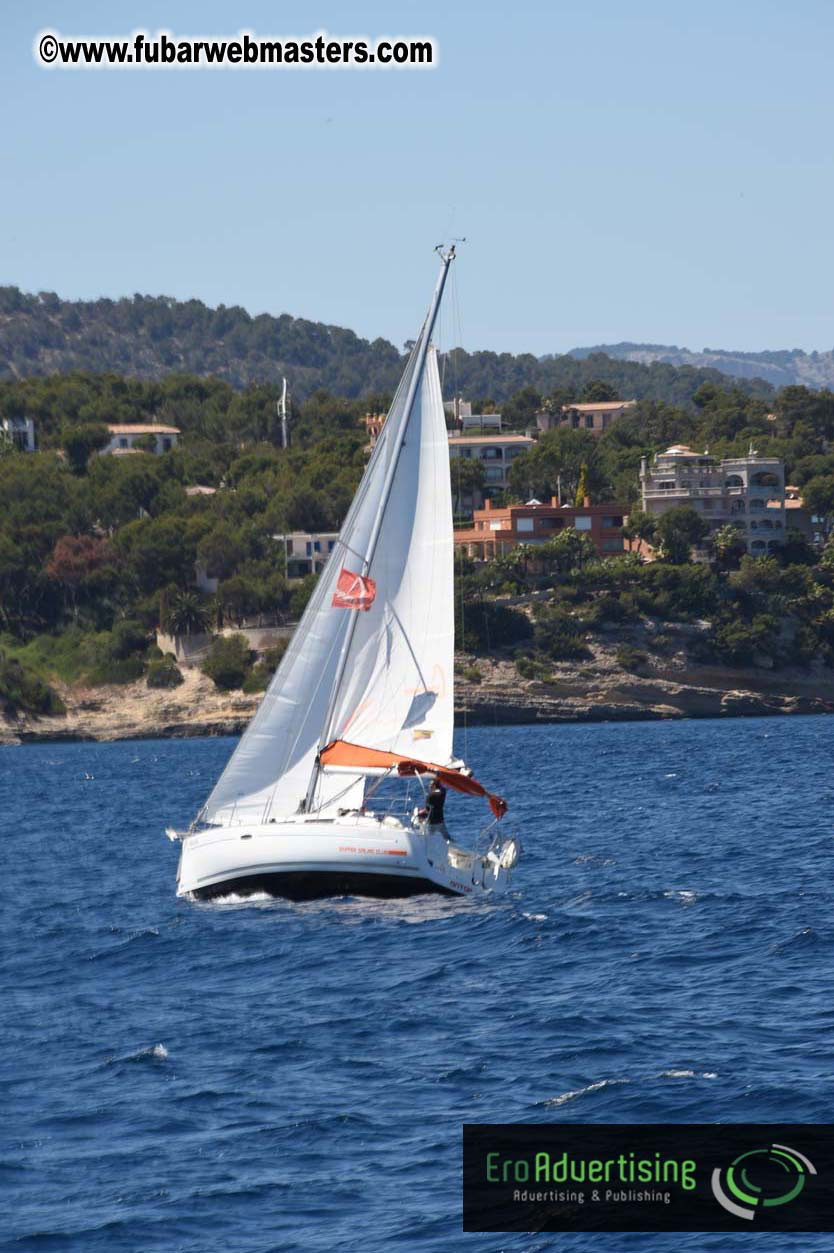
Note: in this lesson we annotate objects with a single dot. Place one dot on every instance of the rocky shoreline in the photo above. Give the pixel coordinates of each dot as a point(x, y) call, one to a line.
point(487, 691)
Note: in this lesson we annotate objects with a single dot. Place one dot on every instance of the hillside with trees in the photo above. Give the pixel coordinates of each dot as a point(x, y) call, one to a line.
point(97, 551)
point(782, 368)
point(152, 337)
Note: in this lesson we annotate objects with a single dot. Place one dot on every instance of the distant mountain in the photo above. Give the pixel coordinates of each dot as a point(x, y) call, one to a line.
point(811, 369)
point(151, 337)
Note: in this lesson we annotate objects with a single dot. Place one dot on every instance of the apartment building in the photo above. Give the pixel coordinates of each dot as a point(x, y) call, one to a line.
point(496, 531)
point(748, 492)
point(594, 416)
point(495, 452)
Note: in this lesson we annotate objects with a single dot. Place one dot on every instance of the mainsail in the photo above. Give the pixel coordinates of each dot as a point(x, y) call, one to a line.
point(372, 658)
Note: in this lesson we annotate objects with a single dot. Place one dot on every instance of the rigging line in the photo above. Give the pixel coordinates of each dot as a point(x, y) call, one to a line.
point(290, 750)
point(392, 611)
point(459, 459)
point(380, 780)
point(331, 800)
point(489, 652)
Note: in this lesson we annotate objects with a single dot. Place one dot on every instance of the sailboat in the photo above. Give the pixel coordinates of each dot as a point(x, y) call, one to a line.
point(363, 695)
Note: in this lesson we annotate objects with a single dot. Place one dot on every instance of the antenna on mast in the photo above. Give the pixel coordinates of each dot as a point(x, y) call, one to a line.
point(281, 406)
point(449, 255)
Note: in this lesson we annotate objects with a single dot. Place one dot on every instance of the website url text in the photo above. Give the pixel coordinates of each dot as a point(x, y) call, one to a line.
point(141, 50)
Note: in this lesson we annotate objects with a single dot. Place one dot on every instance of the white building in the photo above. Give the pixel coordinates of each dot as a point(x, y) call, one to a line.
point(748, 492)
point(460, 413)
point(18, 431)
point(496, 454)
point(124, 435)
point(307, 551)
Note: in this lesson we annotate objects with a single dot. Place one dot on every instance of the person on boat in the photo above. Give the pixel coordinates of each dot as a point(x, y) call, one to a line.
point(433, 812)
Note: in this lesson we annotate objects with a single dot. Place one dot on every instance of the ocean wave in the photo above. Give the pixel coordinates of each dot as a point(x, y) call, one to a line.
point(153, 1053)
point(573, 1095)
point(687, 1074)
point(237, 898)
point(142, 933)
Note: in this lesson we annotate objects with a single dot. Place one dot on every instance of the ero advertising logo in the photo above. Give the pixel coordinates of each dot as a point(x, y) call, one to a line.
point(543, 1177)
point(761, 1179)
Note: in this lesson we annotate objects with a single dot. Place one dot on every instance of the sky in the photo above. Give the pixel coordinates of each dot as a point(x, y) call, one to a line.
point(644, 171)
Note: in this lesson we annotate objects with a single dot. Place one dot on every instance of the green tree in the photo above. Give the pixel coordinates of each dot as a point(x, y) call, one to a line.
point(640, 526)
point(228, 662)
point(796, 550)
point(818, 495)
point(221, 551)
point(556, 462)
point(827, 558)
point(301, 593)
point(467, 478)
point(582, 486)
point(158, 552)
point(81, 441)
point(510, 569)
point(679, 530)
point(728, 546)
point(520, 410)
point(566, 552)
point(238, 598)
point(596, 391)
point(21, 691)
point(8, 447)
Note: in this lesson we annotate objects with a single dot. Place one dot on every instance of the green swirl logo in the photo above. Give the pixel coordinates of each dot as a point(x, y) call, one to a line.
point(761, 1179)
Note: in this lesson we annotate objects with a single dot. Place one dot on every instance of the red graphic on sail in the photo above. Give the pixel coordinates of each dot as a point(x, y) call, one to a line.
point(353, 591)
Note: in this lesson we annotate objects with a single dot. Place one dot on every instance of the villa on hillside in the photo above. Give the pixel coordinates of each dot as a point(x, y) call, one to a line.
point(495, 532)
point(123, 437)
point(593, 416)
point(748, 492)
point(496, 453)
point(306, 551)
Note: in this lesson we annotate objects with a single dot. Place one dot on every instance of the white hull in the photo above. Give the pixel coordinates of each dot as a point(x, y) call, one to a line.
point(359, 855)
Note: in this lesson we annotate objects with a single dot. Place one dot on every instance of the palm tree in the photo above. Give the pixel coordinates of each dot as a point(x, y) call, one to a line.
point(728, 546)
point(188, 614)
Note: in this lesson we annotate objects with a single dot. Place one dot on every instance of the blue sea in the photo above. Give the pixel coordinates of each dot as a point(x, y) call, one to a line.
point(268, 1076)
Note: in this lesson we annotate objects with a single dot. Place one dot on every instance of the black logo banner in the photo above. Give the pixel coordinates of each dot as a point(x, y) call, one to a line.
point(648, 1177)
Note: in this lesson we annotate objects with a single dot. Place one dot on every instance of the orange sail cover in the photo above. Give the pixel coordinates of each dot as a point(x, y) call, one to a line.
point(340, 753)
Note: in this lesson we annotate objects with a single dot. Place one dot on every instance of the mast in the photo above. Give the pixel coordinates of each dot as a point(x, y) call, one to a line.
point(414, 383)
point(281, 406)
